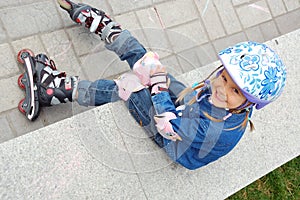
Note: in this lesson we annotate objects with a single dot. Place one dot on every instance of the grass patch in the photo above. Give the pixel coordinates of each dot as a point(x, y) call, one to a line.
point(281, 184)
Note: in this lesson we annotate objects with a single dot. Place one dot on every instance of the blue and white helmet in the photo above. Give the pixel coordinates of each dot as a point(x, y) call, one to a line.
point(257, 70)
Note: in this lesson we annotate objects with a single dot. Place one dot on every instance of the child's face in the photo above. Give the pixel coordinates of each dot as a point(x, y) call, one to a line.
point(225, 93)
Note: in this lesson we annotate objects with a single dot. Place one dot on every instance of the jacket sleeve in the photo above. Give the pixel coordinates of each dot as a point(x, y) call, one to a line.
point(187, 128)
point(199, 136)
point(162, 103)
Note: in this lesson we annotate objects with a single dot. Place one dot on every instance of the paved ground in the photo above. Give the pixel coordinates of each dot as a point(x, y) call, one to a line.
point(186, 33)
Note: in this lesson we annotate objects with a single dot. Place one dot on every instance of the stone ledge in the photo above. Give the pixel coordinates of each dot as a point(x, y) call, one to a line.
point(97, 154)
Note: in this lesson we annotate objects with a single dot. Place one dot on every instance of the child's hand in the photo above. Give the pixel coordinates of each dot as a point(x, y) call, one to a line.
point(164, 126)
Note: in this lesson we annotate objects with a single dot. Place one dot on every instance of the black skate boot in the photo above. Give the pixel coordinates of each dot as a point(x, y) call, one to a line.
point(43, 84)
point(96, 20)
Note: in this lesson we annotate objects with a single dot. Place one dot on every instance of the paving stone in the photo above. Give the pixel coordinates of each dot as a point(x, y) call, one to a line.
point(9, 64)
point(9, 3)
point(220, 44)
point(99, 4)
point(228, 16)
point(85, 42)
point(269, 30)
point(187, 36)
point(33, 43)
point(172, 65)
point(158, 1)
point(258, 9)
point(2, 35)
point(131, 22)
point(289, 22)
point(277, 7)
point(61, 50)
point(65, 18)
point(211, 19)
point(139, 34)
point(292, 4)
point(155, 36)
point(47, 19)
point(149, 19)
point(120, 7)
point(102, 65)
point(21, 125)
point(239, 2)
point(179, 12)
point(11, 94)
point(6, 132)
point(197, 57)
point(128, 21)
point(254, 33)
point(158, 41)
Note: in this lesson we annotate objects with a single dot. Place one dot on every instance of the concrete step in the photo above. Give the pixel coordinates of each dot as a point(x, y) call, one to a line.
point(103, 154)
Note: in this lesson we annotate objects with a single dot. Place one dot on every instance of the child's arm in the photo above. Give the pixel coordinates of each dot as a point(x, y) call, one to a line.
point(201, 142)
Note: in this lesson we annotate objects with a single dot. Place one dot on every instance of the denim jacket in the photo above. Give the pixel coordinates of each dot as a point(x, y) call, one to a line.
point(203, 140)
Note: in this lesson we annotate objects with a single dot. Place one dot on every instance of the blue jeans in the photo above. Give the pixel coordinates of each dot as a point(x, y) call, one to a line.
point(139, 103)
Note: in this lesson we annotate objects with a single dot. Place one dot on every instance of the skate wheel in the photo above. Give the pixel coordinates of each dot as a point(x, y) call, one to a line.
point(20, 106)
point(64, 4)
point(21, 54)
point(21, 85)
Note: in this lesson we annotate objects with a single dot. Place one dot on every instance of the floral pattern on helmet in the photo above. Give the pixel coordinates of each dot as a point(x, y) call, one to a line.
point(256, 69)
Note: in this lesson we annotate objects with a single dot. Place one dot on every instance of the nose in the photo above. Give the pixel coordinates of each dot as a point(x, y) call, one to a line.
point(222, 92)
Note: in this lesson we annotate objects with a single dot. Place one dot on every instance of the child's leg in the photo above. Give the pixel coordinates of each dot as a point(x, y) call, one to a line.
point(121, 42)
point(96, 93)
point(127, 48)
point(141, 108)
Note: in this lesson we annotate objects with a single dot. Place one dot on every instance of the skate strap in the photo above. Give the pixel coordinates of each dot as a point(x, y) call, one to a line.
point(108, 30)
point(51, 78)
point(48, 80)
point(98, 17)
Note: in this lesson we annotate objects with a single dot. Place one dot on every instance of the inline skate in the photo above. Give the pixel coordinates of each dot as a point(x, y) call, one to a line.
point(96, 20)
point(43, 84)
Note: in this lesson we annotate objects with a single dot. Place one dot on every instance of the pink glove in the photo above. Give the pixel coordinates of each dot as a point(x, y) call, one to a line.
point(164, 126)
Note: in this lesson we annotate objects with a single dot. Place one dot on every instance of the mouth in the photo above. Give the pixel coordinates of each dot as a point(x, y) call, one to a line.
point(220, 99)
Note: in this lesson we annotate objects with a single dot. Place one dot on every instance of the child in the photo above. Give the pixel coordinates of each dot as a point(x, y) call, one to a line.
point(195, 125)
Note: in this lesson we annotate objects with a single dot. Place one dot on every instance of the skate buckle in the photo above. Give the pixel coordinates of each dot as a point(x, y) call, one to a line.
point(49, 91)
point(68, 84)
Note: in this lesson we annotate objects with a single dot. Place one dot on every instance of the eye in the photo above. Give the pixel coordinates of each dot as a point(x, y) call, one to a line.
point(224, 78)
point(236, 91)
